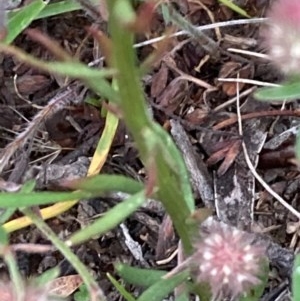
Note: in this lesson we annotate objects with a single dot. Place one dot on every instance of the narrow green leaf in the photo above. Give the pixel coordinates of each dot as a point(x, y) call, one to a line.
point(82, 294)
point(102, 88)
point(6, 214)
point(16, 200)
point(67, 253)
point(99, 183)
point(235, 8)
point(46, 277)
point(78, 70)
point(296, 279)
point(287, 91)
point(124, 12)
point(93, 77)
point(72, 69)
point(124, 293)
point(28, 186)
point(104, 183)
point(22, 19)
point(54, 9)
point(163, 288)
point(110, 220)
point(166, 15)
point(174, 158)
point(3, 237)
point(139, 277)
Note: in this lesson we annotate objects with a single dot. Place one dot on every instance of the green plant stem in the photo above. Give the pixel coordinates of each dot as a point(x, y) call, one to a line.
point(15, 275)
point(68, 254)
point(129, 85)
point(155, 146)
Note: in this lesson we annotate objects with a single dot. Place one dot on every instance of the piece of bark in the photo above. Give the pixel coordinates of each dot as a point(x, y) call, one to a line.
point(200, 178)
point(235, 190)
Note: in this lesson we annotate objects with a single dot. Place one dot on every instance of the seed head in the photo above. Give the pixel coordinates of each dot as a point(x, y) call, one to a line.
point(227, 261)
point(283, 35)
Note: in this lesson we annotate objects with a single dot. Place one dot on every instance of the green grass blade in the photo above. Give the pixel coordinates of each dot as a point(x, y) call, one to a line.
point(6, 215)
point(110, 220)
point(15, 200)
point(3, 237)
point(137, 276)
point(47, 276)
point(93, 288)
point(72, 69)
point(94, 77)
point(235, 8)
point(164, 287)
point(125, 294)
point(104, 183)
point(61, 7)
point(26, 188)
point(97, 184)
point(22, 19)
point(296, 279)
point(287, 91)
point(54, 9)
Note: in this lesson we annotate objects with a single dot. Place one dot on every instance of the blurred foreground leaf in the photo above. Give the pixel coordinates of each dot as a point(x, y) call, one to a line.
point(163, 288)
point(22, 19)
point(296, 279)
point(110, 220)
point(289, 90)
point(137, 276)
point(126, 295)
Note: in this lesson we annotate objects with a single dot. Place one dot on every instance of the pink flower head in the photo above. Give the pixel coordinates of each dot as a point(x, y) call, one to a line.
point(283, 35)
point(227, 261)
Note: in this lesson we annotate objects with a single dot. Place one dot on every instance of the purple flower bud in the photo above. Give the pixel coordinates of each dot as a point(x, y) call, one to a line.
point(283, 35)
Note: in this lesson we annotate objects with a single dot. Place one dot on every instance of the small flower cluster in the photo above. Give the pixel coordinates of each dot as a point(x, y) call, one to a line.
point(283, 35)
point(227, 261)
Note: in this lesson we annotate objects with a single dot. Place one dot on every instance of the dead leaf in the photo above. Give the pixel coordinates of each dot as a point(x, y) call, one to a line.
point(173, 95)
point(229, 158)
point(166, 236)
point(143, 19)
point(230, 70)
point(65, 286)
point(198, 116)
point(229, 153)
point(217, 156)
point(159, 81)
